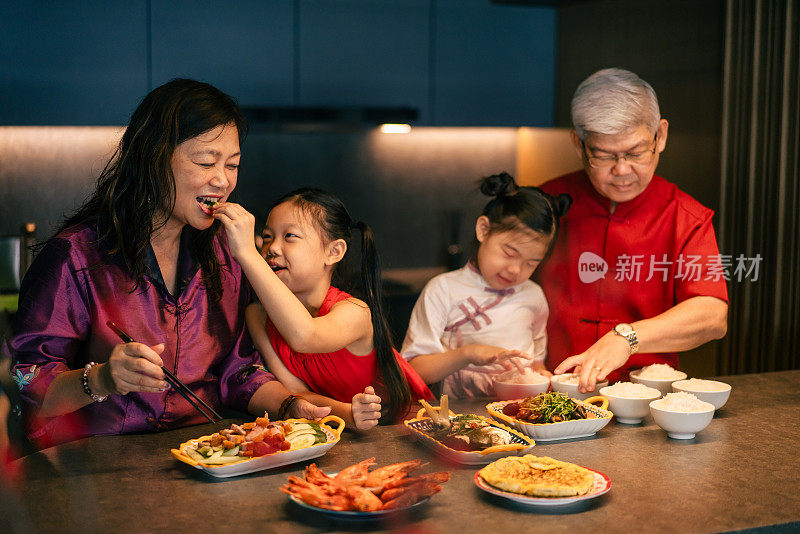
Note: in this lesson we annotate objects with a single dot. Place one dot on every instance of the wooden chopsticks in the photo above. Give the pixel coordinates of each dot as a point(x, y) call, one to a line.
point(179, 386)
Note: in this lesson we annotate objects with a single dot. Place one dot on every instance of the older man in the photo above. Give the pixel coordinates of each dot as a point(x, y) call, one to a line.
point(635, 275)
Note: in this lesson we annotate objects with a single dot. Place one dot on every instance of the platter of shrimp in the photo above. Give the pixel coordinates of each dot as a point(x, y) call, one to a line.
point(357, 493)
point(259, 445)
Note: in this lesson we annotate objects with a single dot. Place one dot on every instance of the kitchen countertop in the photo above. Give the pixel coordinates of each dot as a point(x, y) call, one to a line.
point(741, 472)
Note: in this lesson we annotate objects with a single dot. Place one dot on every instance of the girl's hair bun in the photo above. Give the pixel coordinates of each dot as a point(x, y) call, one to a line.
point(561, 204)
point(499, 185)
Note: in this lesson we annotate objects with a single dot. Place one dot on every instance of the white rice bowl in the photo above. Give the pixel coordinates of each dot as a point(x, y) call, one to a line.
point(710, 391)
point(630, 403)
point(681, 414)
point(659, 376)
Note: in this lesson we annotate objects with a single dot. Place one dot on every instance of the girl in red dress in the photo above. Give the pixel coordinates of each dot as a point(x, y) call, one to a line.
point(321, 343)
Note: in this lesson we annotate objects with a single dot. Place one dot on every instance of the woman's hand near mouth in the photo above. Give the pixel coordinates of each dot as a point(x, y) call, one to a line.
point(239, 225)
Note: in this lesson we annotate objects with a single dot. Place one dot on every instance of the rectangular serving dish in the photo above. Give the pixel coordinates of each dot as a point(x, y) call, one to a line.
point(268, 461)
point(520, 443)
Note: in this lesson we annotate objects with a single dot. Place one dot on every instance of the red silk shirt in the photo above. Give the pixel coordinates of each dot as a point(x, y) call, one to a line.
point(652, 253)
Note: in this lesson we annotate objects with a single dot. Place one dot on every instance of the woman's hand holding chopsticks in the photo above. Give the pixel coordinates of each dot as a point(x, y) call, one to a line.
point(131, 367)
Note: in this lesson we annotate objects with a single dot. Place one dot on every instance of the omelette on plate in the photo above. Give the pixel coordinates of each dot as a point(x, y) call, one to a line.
point(538, 476)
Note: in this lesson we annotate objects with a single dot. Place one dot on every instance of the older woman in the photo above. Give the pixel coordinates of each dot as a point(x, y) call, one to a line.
point(144, 252)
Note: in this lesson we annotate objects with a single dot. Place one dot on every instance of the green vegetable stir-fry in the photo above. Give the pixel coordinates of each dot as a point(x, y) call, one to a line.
point(552, 407)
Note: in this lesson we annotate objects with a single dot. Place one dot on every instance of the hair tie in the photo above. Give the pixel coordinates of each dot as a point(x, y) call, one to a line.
point(355, 225)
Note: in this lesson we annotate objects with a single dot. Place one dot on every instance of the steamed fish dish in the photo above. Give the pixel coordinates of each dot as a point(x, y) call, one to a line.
point(470, 432)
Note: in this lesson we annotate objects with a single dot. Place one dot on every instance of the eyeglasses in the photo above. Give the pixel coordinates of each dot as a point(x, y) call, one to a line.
point(633, 158)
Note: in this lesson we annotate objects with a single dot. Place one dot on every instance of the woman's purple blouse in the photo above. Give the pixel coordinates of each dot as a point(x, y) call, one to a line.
point(75, 286)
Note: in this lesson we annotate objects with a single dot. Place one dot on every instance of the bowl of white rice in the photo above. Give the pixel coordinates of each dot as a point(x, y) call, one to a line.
point(568, 383)
point(681, 414)
point(629, 402)
point(515, 385)
point(659, 376)
point(710, 391)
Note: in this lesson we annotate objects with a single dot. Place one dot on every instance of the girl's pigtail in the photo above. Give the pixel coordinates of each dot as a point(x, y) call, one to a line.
point(561, 204)
point(393, 377)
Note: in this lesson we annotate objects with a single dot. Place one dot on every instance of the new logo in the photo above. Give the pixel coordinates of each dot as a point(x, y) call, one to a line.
point(591, 267)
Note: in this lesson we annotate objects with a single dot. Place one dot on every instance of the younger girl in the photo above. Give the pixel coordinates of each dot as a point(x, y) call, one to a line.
point(475, 322)
point(320, 342)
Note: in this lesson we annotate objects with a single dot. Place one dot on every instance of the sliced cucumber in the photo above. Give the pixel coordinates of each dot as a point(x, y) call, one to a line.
point(214, 456)
point(297, 433)
point(205, 451)
point(223, 460)
point(193, 454)
point(303, 440)
point(231, 452)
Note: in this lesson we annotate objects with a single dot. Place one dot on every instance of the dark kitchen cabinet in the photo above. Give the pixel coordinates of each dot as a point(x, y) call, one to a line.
point(459, 62)
point(494, 64)
point(364, 53)
point(245, 48)
point(72, 63)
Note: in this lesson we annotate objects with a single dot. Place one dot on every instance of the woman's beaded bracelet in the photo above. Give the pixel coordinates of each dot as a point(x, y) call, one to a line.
point(85, 382)
point(285, 405)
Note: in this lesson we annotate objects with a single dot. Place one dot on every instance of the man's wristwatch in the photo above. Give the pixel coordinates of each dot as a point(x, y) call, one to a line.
point(625, 330)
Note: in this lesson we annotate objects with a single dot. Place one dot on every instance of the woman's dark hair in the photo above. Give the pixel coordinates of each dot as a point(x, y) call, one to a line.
point(137, 183)
point(333, 219)
point(513, 205)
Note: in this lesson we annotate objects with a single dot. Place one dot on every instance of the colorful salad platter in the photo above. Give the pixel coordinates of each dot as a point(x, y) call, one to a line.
point(357, 494)
point(260, 445)
point(466, 439)
point(553, 416)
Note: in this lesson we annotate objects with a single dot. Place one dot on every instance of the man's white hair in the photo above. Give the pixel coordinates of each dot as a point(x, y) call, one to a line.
point(613, 101)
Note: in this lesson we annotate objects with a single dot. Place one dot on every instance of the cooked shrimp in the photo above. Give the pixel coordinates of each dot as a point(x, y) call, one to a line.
point(355, 474)
point(438, 478)
point(380, 475)
point(363, 499)
point(315, 495)
point(412, 494)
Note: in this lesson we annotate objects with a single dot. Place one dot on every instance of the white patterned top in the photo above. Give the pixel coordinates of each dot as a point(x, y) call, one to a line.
point(459, 308)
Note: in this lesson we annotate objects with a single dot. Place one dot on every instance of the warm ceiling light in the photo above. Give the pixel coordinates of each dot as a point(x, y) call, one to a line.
point(395, 128)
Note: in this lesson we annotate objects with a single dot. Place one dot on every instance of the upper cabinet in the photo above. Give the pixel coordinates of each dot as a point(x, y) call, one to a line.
point(72, 63)
point(494, 64)
point(245, 48)
point(364, 53)
point(459, 62)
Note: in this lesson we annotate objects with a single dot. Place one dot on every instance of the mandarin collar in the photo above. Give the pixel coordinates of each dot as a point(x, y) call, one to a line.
point(623, 209)
point(474, 275)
